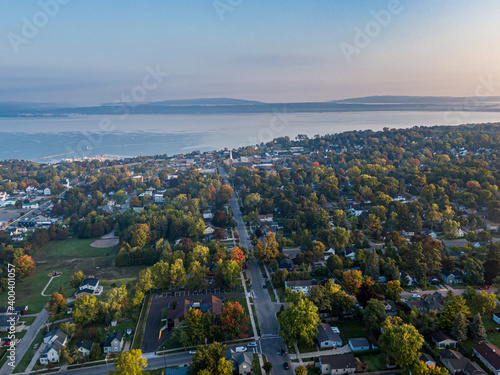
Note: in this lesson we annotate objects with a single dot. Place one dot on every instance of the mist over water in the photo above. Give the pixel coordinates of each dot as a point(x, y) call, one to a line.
point(31, 138)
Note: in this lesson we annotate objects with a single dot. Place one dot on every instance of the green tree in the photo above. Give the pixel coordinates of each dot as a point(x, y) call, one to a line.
point(268, 366)
point(394, 290)
point(374, 314)
point(372, 267)
point(452, 307)
point(230, 272)
point(401, 345)
point(299, 321)
point(473, 271)
point(197, 327)
point(340, 238)
point(334, 262)
point(450, 228)
point(178, 274)
point(117, 302)
point(459, 329)
point(85, 309)
point(129, 363)
point(477, 330)
point(211, 359)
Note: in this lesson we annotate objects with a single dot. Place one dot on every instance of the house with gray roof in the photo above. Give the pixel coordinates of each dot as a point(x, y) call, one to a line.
point(359, 344)
point(337, 364)
point(327, 338)
point(242, 362)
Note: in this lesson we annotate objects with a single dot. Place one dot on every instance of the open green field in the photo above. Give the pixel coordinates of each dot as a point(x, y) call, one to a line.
point(69, 256)
point(375, 362)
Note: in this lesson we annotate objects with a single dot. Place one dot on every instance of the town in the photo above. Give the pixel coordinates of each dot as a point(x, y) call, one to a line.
point(367, 252)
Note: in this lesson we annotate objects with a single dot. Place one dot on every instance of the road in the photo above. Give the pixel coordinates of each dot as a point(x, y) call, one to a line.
point(270, 342)
point(26, 341)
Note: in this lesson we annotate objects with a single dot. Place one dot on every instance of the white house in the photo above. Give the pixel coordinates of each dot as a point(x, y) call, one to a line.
point(3, 196)
point(329, 253)
point(31, 205)
point(88, 287)
point(114, 343)
point(327, 338)
point(84, 347)
point(158, 198)
point(299, 285)
point(55, 340)
point(46, 191)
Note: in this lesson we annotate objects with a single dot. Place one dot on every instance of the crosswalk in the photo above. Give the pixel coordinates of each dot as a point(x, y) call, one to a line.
point(270, 336)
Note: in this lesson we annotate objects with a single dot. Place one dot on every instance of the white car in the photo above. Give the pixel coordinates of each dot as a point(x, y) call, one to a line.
point(415, 296)
point(240, 349)
point(192, 352)
point(252, 344)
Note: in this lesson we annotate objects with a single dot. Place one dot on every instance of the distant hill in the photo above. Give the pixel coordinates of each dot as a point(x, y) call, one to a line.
point(229, 105)
point(390, 99)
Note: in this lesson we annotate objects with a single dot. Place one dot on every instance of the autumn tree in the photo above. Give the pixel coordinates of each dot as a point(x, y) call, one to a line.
point(57, 304)
point(238, 256)
point(24, 266)
point(233, 320)
point(352, 280)
point(196, 329)
point(129, 363)
point(421, 368)
point(267, 248)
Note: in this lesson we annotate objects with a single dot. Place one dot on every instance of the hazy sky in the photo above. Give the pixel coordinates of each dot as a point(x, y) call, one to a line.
point(95, 51)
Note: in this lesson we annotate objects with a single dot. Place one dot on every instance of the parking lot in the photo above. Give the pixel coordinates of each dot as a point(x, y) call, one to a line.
point(151, 340)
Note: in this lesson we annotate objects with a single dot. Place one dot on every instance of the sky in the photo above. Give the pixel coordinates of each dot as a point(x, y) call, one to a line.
point(94, 51)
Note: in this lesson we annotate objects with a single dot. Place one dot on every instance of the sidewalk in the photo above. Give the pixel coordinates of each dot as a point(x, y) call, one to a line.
point(34, 360)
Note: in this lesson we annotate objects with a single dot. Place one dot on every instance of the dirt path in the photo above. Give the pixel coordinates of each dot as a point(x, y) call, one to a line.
point(108, 240)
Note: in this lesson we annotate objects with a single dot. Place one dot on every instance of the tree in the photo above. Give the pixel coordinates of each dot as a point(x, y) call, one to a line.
point(374, 314)
point(453, 306)
point(268, 366)
point(267, 248)
point(372, 267)
point(129, 363)
point(300, 370)
point(135, 202)
point(477, 330)
point(230, 272)
point(85, 309)
point(178, 274)
point(459, 329)
point(421, 368)
point(473, 271)
point(117, 301)
point(401, 344)
point(340, 238)
point(491, 270)
point(334, 262)
point(394, 290)
point(233, 320)
point(299, 321)
point(480, 302)
point(77, 279)
point(25, 266)
point(238, 256)
point(68, 328)
point(57, 304)
point(197, 327)
point(352, 280)
point(427, 324)
point(211, 359)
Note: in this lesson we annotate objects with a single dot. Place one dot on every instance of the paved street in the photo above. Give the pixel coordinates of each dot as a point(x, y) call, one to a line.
point(25, 344)
point(266, 310)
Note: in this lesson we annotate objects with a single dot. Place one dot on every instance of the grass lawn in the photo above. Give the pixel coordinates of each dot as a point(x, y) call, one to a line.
point(270, 290)
point(375, 362)
point(303, 348)
point(171, 343)
point(28, 320)
point(256, 365)
point(350, 329)
point(69, 256)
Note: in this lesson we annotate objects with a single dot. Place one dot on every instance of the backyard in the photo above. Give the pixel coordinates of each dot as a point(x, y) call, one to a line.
point(69, 256)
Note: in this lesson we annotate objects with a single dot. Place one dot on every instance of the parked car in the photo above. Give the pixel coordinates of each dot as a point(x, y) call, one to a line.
point(415, 296)
point(286, 365)
point(264, 286)
point(486, 287)
point(240, 349)
point(192, 352)
point(252, 344)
